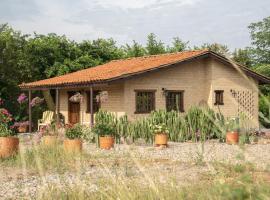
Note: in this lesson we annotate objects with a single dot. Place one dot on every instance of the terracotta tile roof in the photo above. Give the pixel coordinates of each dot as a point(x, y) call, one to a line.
point(123, 68)
point(114, 69)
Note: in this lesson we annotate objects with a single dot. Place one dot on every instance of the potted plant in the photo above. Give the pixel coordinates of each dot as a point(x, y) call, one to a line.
point(232, 131)
point(106, 134)
point(9, 144)
point(73, 140)
point(21, 127)
point(50, 134)
point(161, 134)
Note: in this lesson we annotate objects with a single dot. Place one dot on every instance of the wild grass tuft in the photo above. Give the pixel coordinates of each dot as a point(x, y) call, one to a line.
point(44, 158)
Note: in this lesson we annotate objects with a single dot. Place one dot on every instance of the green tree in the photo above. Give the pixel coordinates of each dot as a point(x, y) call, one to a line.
point(103, 50)
point(134, 50)
point(215, 47)
point(154, 46)
point(263, 69)
point(178, 45)
point(43, 51)
point(68, 66)
point(260, 36)
point(243, 56)
point(14, 68)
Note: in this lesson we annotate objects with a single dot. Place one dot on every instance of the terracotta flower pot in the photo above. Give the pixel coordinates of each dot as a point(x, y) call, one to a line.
point(8, 146)
point(106, 142)
point(22, 129)
point(232, 137)
point(161, 139)
point(49, 140)
point(74, 145)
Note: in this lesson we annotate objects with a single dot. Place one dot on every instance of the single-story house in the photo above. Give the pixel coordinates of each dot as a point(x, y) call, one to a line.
point(137, 86)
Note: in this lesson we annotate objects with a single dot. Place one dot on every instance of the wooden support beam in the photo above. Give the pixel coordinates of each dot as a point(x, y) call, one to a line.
point(30, 110)
point(91, 107)
point(92, 113)
point(57, 112)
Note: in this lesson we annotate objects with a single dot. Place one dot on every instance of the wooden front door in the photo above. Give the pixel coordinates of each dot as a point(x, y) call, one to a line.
point(73, 111)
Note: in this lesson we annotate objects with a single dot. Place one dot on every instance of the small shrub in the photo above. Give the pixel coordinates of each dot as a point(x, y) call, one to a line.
point(159, 128)
point(5, 131)
point(74, 132)
point(232, 124)
point(87, 134)
point(104, 129)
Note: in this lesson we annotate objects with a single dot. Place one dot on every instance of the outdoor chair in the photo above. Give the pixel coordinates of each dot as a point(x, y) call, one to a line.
point(47, 119)
point(120, 114)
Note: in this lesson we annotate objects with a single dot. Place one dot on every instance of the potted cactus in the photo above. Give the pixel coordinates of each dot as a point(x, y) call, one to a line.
point(161, 134)
point(106, 134)
point(232, 131)
point(73, 140)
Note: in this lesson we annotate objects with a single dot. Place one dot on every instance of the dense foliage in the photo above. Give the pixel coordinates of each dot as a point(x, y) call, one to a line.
point(197, 124)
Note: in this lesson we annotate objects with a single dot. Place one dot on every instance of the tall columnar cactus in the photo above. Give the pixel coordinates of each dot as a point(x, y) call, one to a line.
point(197, 124)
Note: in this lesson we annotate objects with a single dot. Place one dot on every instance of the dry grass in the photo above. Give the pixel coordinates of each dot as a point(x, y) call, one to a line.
point(51, 173)
point(231, 182)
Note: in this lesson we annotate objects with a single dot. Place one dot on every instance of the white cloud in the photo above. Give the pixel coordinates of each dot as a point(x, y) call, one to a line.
point(197, 21)
point(137, 4)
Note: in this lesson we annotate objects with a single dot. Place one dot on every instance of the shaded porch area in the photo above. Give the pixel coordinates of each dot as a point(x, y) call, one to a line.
point(78, 104)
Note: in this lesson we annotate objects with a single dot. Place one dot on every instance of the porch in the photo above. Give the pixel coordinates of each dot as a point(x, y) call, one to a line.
point(83, 111)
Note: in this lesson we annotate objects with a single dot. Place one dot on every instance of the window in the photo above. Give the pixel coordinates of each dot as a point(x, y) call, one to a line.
point(145, 101)
point(219, 97)
point(175, 101)
point(96, 104)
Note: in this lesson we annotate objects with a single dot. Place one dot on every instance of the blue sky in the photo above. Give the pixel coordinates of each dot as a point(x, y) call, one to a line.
point(196, 21)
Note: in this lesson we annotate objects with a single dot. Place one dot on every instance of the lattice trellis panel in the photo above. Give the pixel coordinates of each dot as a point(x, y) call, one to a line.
point(246, 102)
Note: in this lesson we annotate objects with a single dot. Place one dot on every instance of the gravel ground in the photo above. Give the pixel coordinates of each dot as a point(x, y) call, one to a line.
point(137, 163)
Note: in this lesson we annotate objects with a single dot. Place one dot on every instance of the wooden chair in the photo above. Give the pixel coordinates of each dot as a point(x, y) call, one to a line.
point(120, 114)
point(47, 119)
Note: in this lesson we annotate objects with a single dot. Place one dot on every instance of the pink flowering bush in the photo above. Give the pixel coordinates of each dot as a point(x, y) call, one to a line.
point(5, 120)
point(36, 101)
point(22, 98)
point(21, 118)
point(5, 116)
point(21, 114)
point(18, 124)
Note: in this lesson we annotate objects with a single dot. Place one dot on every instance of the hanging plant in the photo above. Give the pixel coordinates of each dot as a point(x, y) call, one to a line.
point(76, 98)
point(36, 101)
point(102, 97)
